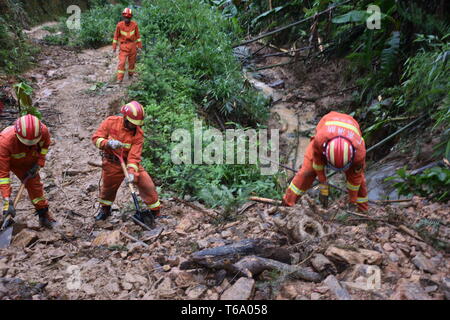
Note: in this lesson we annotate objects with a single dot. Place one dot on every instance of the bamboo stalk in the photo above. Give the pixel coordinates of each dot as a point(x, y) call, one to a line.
point(264, 35)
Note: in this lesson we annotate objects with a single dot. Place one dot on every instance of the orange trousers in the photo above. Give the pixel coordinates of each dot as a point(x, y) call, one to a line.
point(305, 177)
point(34, 187)
point(128, 50)
point(113, 176)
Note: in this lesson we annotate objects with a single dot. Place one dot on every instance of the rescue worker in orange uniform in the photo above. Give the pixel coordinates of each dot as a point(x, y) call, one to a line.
point(129, 39)
point(124, 133)
point(338, 145)
point(22, 150)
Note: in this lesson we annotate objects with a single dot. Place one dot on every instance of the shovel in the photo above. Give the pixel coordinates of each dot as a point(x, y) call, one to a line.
point(139, 217)
point(6, 230)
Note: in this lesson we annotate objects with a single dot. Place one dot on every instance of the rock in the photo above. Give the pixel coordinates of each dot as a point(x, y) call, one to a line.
point(340, 292)
point(321, 264)
point(165, 289)
point(393, 257)
point(24, 238)
point(166, 268)
point(387, 247)
point(113, 287)
point(88, 289)
point(195, 292)
point(173, 261)
point(424, 264)
point(446, 287)
point(409, 291)
point(202, 244)
point(315, 296)
point(127, 286)
point(107, 238)
point(3, 269)
point(226, 234)
point(361, 256)
point(242, 289)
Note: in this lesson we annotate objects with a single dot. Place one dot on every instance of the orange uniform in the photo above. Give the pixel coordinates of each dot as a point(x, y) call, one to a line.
point(331, 125)
point(112, 174)
point(19, 158)
point(129, 40)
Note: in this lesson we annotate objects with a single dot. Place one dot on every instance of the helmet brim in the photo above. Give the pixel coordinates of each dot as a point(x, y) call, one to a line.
point(29, 142)
point(135, 122)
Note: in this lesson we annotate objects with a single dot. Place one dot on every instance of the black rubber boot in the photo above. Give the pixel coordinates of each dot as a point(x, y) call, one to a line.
point(104, 213)
point(45, 218)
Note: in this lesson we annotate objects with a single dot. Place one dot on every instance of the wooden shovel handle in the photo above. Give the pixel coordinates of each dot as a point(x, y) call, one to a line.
point(19, 194)
point(125, 172)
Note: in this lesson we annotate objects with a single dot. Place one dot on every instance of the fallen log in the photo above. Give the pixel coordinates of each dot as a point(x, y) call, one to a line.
point(224, 257)
point(252, 265)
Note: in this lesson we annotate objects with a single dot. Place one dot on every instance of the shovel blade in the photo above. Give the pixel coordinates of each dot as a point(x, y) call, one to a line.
point(5, 237)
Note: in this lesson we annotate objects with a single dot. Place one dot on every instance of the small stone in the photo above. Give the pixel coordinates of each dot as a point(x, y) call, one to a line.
point(340, 292)
point(242, 289)
point(409, 291)
point(127, 286)
point(315, 296)
point(166, 268)
point(113, 287)
point(387, 247)
point(88, 289)
point(393, 257)
point(226, 234)
point(24, 238)
point(424, 264)
point(195, 292)
point(173, 261)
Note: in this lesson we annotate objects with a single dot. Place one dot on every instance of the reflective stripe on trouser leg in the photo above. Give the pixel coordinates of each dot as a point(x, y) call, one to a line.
point(363, 201)
point(112, 177)
point(132, 62)
point(35, 189)
point(121, 66)
point(147, 190)
point(304, 178)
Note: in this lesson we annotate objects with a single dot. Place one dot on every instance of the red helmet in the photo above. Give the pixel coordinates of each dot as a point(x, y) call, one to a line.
point(127, 13)
point(339, 152)
point(134, 112)
point(28, 129)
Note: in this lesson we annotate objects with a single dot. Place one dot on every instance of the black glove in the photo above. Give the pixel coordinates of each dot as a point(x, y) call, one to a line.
point(323, 196)
point(33, 171)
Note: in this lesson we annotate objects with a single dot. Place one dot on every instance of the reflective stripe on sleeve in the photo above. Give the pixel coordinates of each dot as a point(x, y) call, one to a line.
point(138, 40)
point(114, 41)
point(120, 71)
point(18, 155)
point(135, 167)
point(44, 151)
point(317, 167)
point(5, 181)
point(296, 190)
point(98, 142)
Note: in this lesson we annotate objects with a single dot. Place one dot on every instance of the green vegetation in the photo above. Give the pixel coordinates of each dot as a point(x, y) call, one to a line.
point(402, 68)
point(433, 183)
point(16, 54)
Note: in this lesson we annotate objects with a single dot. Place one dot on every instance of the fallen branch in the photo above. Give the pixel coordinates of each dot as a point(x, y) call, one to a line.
point(91, 163)
point(133, 238)
point(266, 200)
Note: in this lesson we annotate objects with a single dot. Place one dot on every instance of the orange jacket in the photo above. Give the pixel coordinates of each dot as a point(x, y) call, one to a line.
point(15, 155)
point(113, 128)
point(338, 124)
point(127, 34)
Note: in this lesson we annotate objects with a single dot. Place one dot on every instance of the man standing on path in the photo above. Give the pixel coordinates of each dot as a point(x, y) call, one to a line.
point(338, 145)
point(22, 150)
point(125, 133)
point(127, 35)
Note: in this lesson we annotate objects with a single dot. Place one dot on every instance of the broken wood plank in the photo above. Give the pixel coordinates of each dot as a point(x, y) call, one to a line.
point(253, 265)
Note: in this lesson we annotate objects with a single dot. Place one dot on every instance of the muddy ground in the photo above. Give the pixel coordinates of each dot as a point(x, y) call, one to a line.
point(401, 254)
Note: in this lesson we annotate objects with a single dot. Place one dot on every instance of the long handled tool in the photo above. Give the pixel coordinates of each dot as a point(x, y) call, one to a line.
point(7, 226)
point(139, 217)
